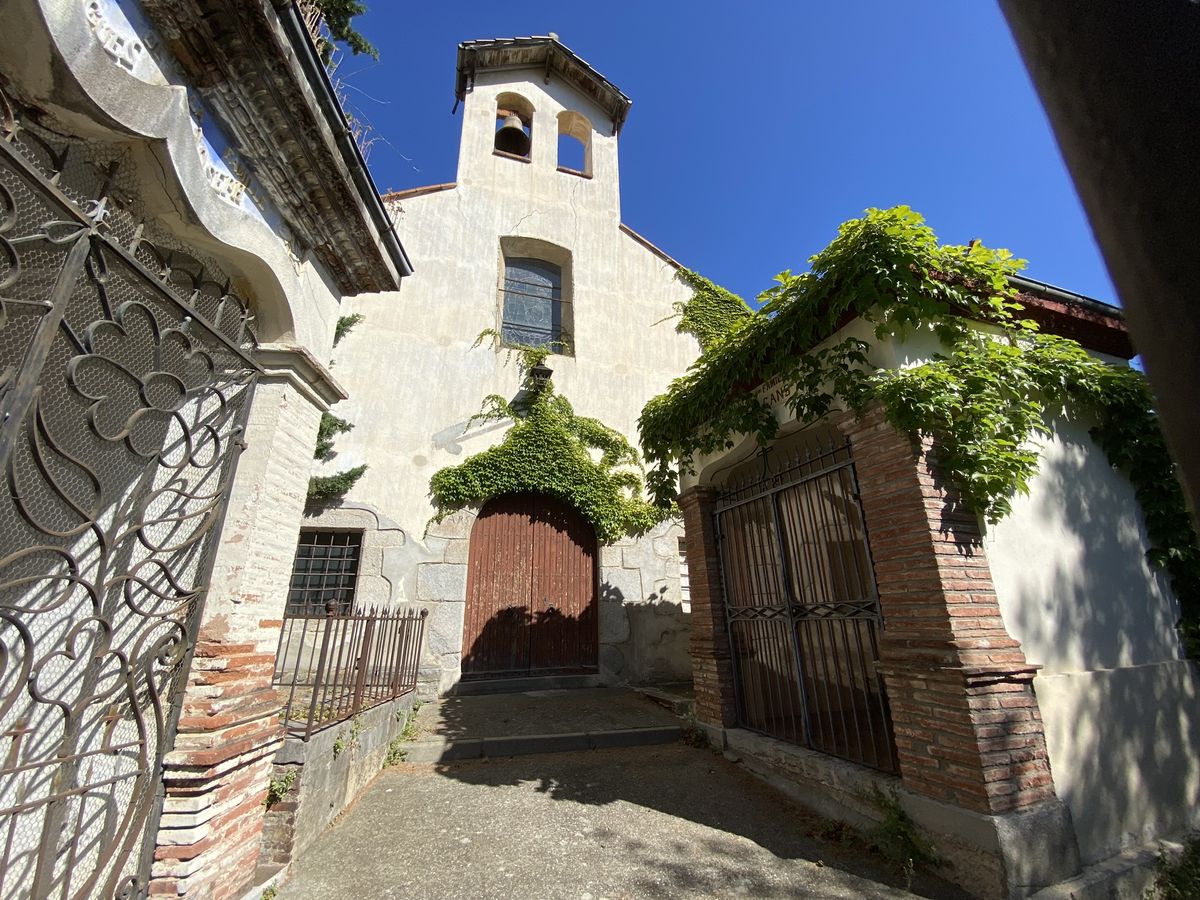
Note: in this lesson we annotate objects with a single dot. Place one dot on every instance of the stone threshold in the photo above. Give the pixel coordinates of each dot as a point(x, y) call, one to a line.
point(523, 685)
point(452, 750)
point(677, 701)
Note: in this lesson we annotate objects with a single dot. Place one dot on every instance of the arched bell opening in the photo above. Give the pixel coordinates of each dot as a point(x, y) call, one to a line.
point(574, 143)
point(514, 126)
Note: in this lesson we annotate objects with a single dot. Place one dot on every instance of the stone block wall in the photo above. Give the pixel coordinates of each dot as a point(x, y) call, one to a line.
point(644, 626)
point(441, 587)
point(331, 769)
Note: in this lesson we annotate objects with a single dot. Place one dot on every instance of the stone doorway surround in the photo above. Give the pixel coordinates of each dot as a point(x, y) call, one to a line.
point(644, 628)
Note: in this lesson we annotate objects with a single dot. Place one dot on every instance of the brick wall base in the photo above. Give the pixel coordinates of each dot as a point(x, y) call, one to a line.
point(968, 730)
point(216, 775)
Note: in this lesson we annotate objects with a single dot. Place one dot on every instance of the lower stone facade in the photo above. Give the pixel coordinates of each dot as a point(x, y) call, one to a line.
point(644, 619)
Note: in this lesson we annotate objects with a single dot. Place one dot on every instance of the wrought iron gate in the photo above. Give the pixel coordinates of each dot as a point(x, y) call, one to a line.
point(124, 384)
point(801, 604)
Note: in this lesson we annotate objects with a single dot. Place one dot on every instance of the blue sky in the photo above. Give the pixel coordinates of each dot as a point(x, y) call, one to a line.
point(758, 127)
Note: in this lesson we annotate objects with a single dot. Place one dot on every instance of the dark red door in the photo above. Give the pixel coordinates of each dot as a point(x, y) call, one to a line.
point(531, 590)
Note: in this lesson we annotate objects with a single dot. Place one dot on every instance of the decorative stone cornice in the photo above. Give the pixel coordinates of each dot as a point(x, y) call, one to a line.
point(304, 371)
point(287, 128)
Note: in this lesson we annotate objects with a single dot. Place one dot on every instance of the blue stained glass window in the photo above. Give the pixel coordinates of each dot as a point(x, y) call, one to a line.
point(532, 302)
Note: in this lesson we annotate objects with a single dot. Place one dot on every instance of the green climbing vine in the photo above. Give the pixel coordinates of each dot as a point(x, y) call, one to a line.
point(331, 426)
point(551, 450)
point(712, 312)
point(344, 325)
point(529, 356)
point(338, 15)
point(323, 488)
point(981, 399)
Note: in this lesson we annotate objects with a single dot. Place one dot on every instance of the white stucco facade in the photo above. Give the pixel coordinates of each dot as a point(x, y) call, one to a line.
point(415, 373)
point(1121, 706)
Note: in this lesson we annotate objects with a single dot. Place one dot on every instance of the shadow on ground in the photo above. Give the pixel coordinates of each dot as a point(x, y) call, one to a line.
point(727, 824)
point(456, 719)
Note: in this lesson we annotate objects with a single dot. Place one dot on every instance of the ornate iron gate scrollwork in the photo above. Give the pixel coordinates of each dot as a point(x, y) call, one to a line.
point(125, 379)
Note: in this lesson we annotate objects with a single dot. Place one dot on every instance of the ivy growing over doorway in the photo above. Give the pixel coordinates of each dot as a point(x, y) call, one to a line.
point(983, 399)
point(551, 450)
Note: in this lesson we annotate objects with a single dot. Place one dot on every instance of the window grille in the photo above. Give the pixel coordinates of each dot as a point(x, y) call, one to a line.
point(325, 569)
point(533, 311)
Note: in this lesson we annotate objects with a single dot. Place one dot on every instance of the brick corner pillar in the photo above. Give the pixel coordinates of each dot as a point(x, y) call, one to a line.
point(215, 777)
point(968, 729)
point(712, 663)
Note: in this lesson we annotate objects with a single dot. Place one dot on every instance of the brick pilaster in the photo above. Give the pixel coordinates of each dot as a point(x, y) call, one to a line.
point(216, 775)
point(712, 667)
point(968, 729)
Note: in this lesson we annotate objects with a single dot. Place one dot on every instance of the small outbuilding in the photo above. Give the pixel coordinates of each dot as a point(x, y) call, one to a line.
point(1017, 679)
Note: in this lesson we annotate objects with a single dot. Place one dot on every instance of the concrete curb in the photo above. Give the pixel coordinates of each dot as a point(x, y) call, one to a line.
point(442, 750)
point(1129, 874)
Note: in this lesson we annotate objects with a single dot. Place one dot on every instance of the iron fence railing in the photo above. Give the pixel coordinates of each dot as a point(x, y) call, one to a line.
point(331, 667)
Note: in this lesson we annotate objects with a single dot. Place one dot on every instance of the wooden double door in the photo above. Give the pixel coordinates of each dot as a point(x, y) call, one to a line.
point(531, 590)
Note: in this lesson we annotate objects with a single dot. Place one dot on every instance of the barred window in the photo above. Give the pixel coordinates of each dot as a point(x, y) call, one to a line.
point(325, 569)
point(533, 305)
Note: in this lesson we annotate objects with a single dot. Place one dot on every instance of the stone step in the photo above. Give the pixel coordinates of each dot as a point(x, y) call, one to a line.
point(434, 749)
point(523, 685)
point(677, 703)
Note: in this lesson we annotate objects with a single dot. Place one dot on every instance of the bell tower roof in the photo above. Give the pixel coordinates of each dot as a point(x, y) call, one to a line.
point(544, 52)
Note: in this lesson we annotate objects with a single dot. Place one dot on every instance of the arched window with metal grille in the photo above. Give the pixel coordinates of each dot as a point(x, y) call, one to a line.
point(533, 304)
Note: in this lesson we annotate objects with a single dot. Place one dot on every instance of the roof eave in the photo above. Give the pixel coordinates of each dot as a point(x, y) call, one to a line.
point(614, 101)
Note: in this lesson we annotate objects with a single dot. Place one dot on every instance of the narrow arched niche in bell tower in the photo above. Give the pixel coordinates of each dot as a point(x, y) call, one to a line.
point(574, 143)
point(514, 126)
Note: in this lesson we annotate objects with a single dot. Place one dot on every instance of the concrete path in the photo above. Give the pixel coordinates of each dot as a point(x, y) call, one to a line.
point(547, 721)
point(663, 821)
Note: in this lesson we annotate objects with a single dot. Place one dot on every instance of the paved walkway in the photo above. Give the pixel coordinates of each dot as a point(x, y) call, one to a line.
point(658, 821)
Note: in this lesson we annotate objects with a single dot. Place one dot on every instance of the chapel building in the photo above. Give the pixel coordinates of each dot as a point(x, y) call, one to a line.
point(527, 246)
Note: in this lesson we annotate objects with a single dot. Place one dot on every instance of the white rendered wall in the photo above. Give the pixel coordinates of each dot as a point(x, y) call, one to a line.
point(414, 377)
point(1120, 705)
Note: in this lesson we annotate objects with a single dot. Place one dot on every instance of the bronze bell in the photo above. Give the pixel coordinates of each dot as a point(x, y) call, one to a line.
point(511, 138)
